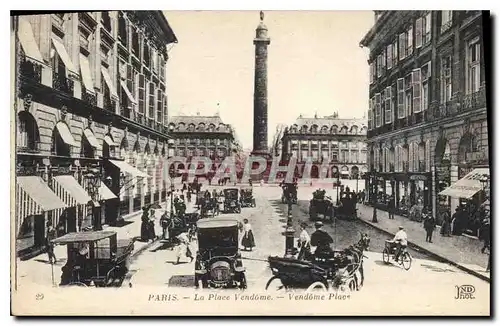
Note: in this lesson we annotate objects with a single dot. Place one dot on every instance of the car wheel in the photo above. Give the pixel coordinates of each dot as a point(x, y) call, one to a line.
point(274, 284)
point(243, 282)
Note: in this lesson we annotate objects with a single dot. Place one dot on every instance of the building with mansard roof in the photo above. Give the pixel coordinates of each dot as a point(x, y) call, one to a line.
point(427, 117)
point(91, 113)
point(339, 141)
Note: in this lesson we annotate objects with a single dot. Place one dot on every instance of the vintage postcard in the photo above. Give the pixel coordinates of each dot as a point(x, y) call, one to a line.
point(277, 162)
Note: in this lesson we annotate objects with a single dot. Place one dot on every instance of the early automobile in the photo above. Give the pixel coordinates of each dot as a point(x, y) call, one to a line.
point(289, 192)
point(321, 204)
point(347, 208)
point(218, 260)
point(95, 258)
point(246, 198)
point(231, 201)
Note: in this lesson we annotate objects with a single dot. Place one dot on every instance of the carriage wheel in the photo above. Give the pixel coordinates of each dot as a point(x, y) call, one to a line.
point(406, 260)
point(238, 210)
point(79, 284)
point(274, 284)
point(243, 282)
point(317, 286)
point(385, 256)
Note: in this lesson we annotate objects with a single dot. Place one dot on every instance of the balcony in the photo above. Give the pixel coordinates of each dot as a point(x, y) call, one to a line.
point(31, 70)
point(62, 83)
point(30, 148)
point(472, 101)
point(391, 167)
point(406, 167)
point(89, 98)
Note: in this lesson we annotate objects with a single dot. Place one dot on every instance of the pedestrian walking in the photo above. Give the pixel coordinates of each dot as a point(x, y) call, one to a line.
point(145, 224)
point(248, 240)
point(183, 247)
point(51, 235)
point(392, 207)
point(429, 226)
point(485, 232)
point(164, 221)
point(304, 243)
point(151, 226)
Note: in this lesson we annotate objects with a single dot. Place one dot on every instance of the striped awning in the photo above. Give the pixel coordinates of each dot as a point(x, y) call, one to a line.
point(65, 134)
point(27, 40)
point(69, 190)
point(108, 140)
point(33, 196)
point(105, 193)
point(128, 93)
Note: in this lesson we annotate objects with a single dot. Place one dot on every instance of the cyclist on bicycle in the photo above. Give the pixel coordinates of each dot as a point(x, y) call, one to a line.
point(401, 240)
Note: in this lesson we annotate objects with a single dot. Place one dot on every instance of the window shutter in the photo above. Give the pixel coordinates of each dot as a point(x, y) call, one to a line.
point(389, 56)
point(370, 114)
point(141, 84)
point(401, 98)
point(418, 33)
point(371, 73)
point(146, 101)
point(410, 41)
point(428, 156)
point(427, 27)
point(416, 84)
point(383, 62)
point(402, 45)
point(165, 109)
point(159, 105)
point(152, 100)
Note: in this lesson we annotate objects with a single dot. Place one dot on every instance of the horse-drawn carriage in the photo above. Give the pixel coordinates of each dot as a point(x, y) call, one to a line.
point(321, 204)
point(231, 201)
point(209, 206)
point(289, 193)
point(347, 208)
point(95, 258)
point(339, 270)
point(246, 198)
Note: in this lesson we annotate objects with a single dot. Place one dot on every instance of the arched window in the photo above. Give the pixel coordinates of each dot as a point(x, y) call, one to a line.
point(343, 130)
point(201, 127)
point(28, 136)
point(59, 147)
point(304, 129)
point(314, 129)
point(87, 150)
point(211, 127)
point(324, 129)
point(334, 129)
point(354, 130)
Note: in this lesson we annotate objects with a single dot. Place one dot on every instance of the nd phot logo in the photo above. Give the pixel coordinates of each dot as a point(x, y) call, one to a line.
point(464, 292)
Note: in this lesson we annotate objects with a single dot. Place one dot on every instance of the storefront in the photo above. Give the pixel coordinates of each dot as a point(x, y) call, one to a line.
point(408, 189)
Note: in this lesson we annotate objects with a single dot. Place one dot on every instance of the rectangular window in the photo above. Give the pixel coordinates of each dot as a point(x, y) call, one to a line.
point(395, 52)
point(161, 69)
point(418, 33)
point(388, 104)
point(159, 105)
point(446, 86)
point(372, 75)
point(141, 84)
point(165, 109)
point(473, 66)
point(416, 84)
point(379, 65)
point(426, 75)
point(389, 56)
point(378, 113)
point(383, 62)
point(402, 46)
point(370, 114)
point(446, 20)
point(401, 98)
point(426, 37)
point(409, 42)
point(152, 100)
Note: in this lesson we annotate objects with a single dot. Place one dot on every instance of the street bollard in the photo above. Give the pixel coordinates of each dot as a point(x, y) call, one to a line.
point(289, 239)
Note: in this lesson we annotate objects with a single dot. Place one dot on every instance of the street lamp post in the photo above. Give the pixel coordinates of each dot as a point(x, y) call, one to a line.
point(94, 182)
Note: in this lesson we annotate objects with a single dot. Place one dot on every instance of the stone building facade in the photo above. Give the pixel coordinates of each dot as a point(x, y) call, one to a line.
point(427, 118)
point(342, 142)
point(91, 117)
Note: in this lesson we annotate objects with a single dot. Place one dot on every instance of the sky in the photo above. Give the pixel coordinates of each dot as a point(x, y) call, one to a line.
point(315, 66)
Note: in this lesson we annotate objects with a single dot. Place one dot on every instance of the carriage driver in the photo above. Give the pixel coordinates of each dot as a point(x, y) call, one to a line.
point(321, 240)
point(401, 240)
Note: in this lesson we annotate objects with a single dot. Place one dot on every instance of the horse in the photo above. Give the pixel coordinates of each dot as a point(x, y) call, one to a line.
point(355, 256)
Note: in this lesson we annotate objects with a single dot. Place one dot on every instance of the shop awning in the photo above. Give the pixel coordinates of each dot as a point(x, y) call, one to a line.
point(65, 134)
point(33, 196)
point(125, 167)
point(63, 54)
point(27, 40)
point(86, 75)
point(91, 138)
point(105, 193)
point(109, 82)
point(109, 141)
point(70, 191)
point(468, 186)
point(127, 91)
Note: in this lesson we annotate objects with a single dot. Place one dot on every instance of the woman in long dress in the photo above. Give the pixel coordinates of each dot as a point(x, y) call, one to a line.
point(248, 240)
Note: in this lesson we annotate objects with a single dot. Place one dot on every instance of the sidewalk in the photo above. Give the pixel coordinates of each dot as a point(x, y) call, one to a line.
point(460, 251)
point(37, 270)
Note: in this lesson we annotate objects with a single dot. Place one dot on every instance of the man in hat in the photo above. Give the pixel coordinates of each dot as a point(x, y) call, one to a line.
point(401, 240)
point(304, 242)
point(321, 240)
